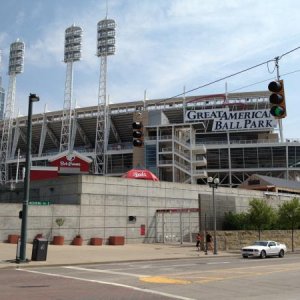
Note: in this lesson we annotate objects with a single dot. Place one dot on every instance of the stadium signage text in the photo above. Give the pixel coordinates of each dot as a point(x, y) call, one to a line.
point(71, 163)
point(139, 174)
point(224, 119)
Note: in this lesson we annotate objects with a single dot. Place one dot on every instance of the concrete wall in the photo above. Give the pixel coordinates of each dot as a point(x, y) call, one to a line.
point(96, 206)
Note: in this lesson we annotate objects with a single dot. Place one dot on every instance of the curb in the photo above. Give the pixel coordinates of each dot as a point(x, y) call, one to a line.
point(15, 265)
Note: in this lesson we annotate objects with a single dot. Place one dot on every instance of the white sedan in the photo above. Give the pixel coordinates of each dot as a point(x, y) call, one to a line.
point(263, 249)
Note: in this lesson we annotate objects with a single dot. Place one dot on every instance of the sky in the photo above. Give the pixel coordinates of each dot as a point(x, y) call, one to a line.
point(162, 46)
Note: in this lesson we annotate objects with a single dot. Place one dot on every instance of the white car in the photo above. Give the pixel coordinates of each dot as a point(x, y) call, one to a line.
point(263, 249)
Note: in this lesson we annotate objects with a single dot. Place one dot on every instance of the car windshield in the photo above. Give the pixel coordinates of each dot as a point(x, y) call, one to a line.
point(260, 243)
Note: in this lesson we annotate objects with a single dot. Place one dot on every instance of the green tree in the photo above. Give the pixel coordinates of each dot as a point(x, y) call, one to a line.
point(261, 215)
point(289, 216)
point(236, 221)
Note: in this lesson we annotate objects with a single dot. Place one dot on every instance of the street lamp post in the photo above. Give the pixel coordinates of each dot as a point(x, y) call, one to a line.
point(32, 98)
point(205, 245)
point(213, 183)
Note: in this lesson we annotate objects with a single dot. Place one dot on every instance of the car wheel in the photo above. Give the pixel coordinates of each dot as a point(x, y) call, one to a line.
point(263, 254)
point(281, 253)
point(245, 256)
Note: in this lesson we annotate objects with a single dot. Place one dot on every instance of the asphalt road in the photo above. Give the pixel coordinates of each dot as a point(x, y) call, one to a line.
point(203, 278)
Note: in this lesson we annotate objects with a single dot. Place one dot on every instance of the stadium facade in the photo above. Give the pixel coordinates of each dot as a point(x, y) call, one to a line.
point(229, 136)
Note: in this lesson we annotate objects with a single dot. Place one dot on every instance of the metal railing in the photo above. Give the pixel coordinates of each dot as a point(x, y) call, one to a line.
point(165, 162)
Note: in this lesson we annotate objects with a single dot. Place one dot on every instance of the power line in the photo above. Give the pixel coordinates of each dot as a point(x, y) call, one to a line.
point(218, 80)
point(286, 53)
point(265, 80)
point(231, 75)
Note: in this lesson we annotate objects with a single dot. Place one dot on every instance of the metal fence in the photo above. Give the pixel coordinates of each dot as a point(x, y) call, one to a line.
point(176, 225)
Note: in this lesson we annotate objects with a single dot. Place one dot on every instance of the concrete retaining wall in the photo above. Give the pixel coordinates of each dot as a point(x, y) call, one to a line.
point(96, 206)
point(235, 240)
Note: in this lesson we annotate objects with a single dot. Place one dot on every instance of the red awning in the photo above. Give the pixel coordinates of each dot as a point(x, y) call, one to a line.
point(140, 174)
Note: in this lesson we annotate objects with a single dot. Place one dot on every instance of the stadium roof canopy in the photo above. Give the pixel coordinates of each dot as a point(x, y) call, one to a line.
point(270, 184)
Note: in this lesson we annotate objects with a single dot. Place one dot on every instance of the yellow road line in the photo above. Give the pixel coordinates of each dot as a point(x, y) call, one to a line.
point(162, 279)
point(227, 274)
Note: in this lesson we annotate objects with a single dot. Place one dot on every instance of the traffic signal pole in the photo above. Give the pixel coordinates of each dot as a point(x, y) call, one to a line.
point(279, 120)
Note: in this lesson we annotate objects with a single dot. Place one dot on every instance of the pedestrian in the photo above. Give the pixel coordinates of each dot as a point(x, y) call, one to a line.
point(198, 241)
point(209, 242)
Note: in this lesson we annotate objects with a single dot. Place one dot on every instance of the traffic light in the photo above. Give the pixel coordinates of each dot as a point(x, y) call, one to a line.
point(137, 134)
point(277, 99)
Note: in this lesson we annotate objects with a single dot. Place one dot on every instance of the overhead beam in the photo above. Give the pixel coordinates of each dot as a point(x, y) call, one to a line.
point(114, 131)
point(83, 135)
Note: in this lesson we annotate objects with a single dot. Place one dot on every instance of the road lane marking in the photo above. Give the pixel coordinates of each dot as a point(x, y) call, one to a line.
point(162, 279)
point(181, 265)
point(227, 274)
point(110, 283)
point(105, 271)
point(218, 263)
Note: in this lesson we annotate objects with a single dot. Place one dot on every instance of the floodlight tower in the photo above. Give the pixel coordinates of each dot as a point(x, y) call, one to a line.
point(105, 47)
point(16, 66)
point(2, 91)
point(73, 39)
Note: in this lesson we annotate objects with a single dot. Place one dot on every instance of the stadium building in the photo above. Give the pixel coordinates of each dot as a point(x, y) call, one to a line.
point(185, 140)
point(182, 140)
point(178, 141)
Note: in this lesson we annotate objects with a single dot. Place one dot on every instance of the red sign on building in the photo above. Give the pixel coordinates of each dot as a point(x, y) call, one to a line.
point(71, 162)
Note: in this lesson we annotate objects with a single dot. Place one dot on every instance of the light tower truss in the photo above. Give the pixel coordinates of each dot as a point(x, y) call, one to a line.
point(2, 92)
point(17, 134)
point(73, 38)
point(16, 66)
point(105, 47)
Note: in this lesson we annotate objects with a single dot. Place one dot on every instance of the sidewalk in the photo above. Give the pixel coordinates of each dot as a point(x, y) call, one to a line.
point(87, 254)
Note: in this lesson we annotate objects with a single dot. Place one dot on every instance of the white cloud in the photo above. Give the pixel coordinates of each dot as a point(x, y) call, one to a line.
point(20, 18)
point(3, 37)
